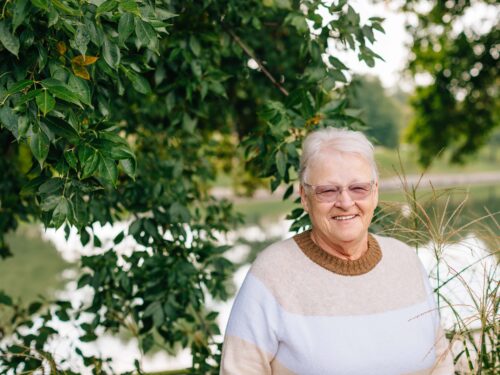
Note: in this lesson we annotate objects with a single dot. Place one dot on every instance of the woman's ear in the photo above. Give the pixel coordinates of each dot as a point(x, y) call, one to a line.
point(303, 198)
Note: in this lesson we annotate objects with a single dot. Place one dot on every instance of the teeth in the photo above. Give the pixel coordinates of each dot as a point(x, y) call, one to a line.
point(344, 217)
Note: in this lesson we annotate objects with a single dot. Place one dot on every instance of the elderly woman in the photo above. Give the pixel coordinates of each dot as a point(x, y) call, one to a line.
point(336, 299)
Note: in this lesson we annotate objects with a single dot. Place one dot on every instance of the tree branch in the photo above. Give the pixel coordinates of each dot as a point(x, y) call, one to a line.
point(247, 50)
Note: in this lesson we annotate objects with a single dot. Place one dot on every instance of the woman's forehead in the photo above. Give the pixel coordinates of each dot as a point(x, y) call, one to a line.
point(337, 167)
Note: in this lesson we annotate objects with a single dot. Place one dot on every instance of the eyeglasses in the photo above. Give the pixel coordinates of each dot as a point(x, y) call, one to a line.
point(331, 193)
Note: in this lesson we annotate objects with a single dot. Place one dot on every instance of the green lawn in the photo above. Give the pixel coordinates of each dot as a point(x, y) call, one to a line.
point(388, 162)
point(35, 269)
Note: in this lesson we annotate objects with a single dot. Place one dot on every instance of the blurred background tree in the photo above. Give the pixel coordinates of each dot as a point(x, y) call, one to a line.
point(381, 113)
point(127, 110)
point(457, 108)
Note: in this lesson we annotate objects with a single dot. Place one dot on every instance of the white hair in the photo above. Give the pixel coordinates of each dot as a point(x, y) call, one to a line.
point(335, 140)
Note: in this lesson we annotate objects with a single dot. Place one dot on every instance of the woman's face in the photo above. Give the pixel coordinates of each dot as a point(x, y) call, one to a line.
point(344, 221)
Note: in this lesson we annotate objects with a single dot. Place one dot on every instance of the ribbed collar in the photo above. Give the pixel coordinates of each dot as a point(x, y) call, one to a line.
point(337, 265)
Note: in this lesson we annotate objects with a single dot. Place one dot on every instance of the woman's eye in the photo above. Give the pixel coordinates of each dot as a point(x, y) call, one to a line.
point(358, 188)
point(328, 191)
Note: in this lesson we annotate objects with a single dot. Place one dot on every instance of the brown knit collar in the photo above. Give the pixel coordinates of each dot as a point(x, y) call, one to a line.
point(341, 266)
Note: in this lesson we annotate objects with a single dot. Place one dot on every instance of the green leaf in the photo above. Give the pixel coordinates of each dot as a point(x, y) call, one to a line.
point(328, 83)
point(45, 102)
point(337, 63)
point(108, 170)
point(147, 343)
point(80, 88)
point(139, 83)
point(82, 39)
point(39, 146)
point(116, 151)
point(29, 96)
point(119, 238)
point(281, 162)
point(9, 41)
point(53, 16)
point(61, 90)
point(19, 86)
point(188, 123)
point(42, 4)
point(61, 128)
point(60, 213)
point(146, 34)
point(23, 126)
point(66, 9)
point(179, 212)
point(129, 166)
point(84, 153)
point(130, 6)
point(20, 13)
point(70, 157)
point(107, 6)
point(125, 27)
point(111, 53)
point(10, 120)
point(195, 46)
point(5, 299)
point(337, 75)
point(50, 202)
point(96, 32)
point(52, 185)
point(90, 164)
point(298, 21)
point(80, 209)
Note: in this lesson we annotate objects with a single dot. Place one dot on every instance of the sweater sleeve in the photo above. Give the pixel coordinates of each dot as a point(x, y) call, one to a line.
point(251, 339)
point(444, 361)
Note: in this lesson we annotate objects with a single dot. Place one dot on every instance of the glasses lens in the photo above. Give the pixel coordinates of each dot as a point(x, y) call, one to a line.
point(327, 193)
point(330, 193)
point(359, 191)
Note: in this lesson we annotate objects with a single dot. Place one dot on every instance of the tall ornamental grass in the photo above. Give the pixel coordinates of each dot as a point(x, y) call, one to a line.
point(461, 255)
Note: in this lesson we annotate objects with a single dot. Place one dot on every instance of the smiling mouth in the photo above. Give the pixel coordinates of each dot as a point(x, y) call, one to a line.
point(344, 217)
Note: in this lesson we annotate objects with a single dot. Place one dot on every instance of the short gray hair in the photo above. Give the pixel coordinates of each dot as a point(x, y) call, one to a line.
point(340, 140)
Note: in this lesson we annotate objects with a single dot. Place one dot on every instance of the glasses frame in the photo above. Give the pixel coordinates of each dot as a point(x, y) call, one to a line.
point(342, 189)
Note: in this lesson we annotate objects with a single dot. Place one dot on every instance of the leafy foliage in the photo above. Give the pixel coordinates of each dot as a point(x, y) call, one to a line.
point(459, 109)
point(128, 109)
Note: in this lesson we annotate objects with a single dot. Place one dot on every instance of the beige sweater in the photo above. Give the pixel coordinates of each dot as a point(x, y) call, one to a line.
point(303, 311)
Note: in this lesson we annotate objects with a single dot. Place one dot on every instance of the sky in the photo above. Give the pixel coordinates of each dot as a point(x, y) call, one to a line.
point(391, 45)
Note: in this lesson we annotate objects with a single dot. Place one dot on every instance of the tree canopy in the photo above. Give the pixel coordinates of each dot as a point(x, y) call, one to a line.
point(459, 108)
point(126, 110)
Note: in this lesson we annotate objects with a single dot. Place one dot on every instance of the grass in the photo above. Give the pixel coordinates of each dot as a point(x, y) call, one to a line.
point(35, 269)
point(487, 159)
point(267, 210)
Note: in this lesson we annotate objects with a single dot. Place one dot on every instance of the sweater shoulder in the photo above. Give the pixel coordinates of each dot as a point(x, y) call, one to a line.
point(393, 246)
point(275, 255)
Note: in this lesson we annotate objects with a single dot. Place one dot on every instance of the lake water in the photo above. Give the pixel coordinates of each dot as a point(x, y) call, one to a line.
point(471, 249)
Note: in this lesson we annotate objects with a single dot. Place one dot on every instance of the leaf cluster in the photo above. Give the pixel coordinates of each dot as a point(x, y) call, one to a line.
point(125, 110)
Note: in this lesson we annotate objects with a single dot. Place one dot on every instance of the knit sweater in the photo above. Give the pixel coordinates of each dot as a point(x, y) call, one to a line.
point(303, 311)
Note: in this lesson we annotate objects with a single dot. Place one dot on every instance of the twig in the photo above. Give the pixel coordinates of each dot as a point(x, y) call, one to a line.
point(248, 51)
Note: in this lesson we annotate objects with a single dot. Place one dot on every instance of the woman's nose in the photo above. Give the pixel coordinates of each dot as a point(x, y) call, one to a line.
point(344, 200)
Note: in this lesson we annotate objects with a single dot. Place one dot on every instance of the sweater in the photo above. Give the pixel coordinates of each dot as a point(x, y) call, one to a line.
point(303, 311)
